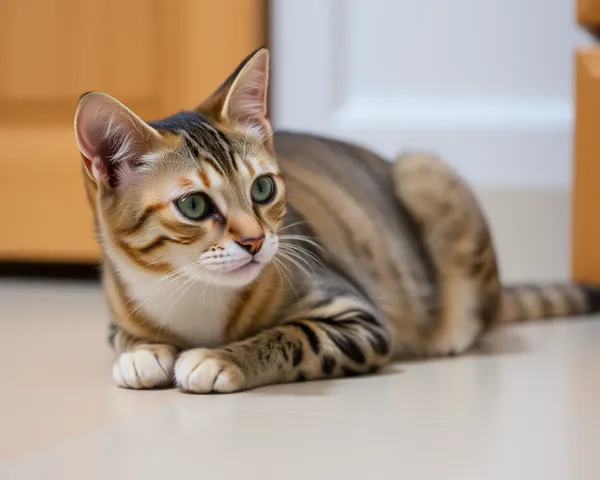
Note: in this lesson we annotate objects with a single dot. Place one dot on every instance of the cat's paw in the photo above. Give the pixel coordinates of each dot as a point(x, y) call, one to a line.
point(203, 371)
point(150, 367)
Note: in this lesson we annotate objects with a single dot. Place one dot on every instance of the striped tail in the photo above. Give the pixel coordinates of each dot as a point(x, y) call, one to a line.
point(521, 303)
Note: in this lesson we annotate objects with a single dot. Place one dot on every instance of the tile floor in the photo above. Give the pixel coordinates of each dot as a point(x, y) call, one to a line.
point(527, 406)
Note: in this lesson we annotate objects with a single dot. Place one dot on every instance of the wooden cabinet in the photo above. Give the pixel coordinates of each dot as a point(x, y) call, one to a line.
point(586, 185)
point(586, 176)
point(588, 12)
point(155, 56)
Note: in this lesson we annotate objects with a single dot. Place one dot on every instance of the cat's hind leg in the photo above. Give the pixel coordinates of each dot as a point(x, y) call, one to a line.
point(458, 239)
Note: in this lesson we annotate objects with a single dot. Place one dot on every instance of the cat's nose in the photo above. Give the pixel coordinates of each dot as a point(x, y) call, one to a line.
point(251, 244)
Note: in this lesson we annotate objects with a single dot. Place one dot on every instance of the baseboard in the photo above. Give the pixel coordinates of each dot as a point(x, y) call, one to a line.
point(49, 271)
point(532, 231)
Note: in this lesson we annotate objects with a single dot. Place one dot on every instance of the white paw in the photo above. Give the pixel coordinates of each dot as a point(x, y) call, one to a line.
point(203, 371)
point(145, 368)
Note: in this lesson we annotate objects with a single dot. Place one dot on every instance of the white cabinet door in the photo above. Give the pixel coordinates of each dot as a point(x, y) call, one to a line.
point(485, 83)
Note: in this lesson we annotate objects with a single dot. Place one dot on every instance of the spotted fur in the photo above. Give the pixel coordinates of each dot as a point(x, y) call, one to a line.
point(351, 263)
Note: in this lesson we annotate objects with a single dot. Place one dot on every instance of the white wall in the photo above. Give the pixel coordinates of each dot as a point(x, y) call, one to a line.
point(485, 83)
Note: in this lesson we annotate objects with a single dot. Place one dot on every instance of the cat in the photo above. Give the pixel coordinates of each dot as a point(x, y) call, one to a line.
point(235, 257)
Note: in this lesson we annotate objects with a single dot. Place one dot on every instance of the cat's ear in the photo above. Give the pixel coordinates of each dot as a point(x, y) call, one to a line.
point(242, 99)
point(112, 139)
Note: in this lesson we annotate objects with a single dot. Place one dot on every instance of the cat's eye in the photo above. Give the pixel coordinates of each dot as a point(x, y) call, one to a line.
point(263, 189)
point(195, 206)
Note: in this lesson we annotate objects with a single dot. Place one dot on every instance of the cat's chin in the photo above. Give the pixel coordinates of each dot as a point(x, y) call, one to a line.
point(234, 278)
point(241, 276)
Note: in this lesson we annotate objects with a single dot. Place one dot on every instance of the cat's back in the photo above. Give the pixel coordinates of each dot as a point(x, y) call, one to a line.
point(331, 182)
point(346, 193)
point(320, 160)
point(340, 177)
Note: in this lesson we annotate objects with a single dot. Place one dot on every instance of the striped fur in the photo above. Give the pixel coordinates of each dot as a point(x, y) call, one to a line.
point(531, 302)
point(352, 262)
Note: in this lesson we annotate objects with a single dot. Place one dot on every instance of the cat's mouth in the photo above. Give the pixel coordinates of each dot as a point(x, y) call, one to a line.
point(239, 272)
point(243, 266)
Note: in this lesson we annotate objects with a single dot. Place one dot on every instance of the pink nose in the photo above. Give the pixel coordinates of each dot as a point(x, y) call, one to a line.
point(251, 245)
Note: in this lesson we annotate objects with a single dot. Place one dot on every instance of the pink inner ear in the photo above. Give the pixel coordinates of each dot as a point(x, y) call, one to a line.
point(87, 162)
point(110, 138)
point(88, 131)
point(248, 104)
point(248, 100)
point(91, 131)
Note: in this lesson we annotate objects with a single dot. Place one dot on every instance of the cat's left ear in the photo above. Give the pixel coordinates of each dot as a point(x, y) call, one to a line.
point(242, 99)
point(113, 140)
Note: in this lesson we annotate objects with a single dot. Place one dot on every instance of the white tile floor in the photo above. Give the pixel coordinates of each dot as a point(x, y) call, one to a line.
point(526, 407)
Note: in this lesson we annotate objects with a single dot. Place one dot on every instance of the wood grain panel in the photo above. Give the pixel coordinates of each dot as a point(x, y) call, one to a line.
point(209, 35)
point(75, 45)
point(43, 210)
point(588, 13)
point(157, 57)
point(586, 188)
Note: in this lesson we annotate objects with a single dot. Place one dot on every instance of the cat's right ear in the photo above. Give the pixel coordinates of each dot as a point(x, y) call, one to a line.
point(241, 101)
point(112, 139)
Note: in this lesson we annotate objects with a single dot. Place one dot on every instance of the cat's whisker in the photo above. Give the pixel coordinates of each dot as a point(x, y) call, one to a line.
point(164, 320)
point(298, 253)
point(166, 276)
point(184, 288)
point(245, 145)
point(187, 284)
point(299, 257)
point(174, 275)
point(291, 225)
point(177, 153)
point(294, 262)
point(262, 142)
point(203, 294)
point(302, 238)
point(292, 242)
point(279, 265)
point(299, 250)
point(218, 277)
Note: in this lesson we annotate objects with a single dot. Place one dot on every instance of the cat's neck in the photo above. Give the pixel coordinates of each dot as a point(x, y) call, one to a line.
point(189, 309)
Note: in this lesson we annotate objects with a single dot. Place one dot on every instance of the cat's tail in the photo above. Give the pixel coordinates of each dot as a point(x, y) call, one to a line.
point(521, 303)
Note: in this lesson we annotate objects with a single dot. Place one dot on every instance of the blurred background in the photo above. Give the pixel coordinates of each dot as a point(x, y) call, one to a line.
point(507, 91)
point(488, 85)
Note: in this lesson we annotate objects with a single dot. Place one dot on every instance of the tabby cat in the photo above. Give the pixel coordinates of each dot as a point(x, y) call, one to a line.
point(236, 257)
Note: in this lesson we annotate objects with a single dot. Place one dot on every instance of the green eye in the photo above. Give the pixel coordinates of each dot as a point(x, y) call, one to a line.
point(263, 189)
point(195, 206)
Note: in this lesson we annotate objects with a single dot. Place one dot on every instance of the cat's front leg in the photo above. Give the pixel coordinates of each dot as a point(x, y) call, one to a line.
point(140, 364)
point(349, 342)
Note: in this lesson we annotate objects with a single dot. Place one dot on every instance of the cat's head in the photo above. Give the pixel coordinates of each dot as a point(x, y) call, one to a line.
point(199, 192)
